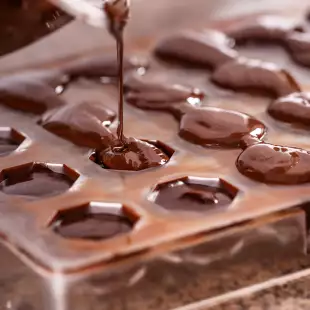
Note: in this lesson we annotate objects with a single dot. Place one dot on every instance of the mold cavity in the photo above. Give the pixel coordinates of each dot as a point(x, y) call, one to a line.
point(94, 221)
point(193, 194)
point(135, 156)
point(10, 140)
point(37, 180)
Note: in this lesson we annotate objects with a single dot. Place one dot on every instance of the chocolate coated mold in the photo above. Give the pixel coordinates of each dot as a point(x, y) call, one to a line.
point(94, 221)
point(37, 180)
point(193, 194)
point(83, 124)
point(10, 140)
point(138, 155)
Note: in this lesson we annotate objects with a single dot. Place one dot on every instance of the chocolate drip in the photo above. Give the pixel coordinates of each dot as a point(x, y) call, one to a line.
point(83, 124)
point(270, 163)
point(134, 155)
point(103, 66)
point(294, 108)
point(251, 73)
point(203, 126)
point(33, 182)
point(264, 28)
point(209, 48)
point(33, 91)
point(183, 196)
point(93, 226)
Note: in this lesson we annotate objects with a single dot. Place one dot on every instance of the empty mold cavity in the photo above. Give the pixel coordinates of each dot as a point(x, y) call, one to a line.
point(10, 140)
point(37, 180)
point(193, 194)
point(94, 221)
point(142, 161)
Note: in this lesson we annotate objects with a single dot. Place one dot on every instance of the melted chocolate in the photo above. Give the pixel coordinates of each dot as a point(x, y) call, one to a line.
point(183, 196)
point(33, 91)
point(299, 46)
point(134, 155)
point(33, 182)
point(83, 124)
point(209, 48)
point(294, 108)
point(93, 226)
point(270, 163)
point(264, 28)
point(203, 126)
point(251, 73)
point(7, 146)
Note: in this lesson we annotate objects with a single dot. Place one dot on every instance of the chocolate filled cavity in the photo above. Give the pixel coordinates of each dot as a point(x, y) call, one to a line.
point(103, 66)
point(275, 164)
point(92, 226)
point(134, 155)
point(246, 73)
point(83, 124)
point(294, 108)
point(214, 127)
point(33, 91)
point(264, 28)
point(209, 48)
point(33, 181)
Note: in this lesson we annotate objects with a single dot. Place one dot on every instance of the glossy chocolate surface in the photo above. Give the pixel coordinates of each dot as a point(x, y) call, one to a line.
point(246, 73)
point(7, 146)
point(83, 124)
point(270, 163)
point(92, 226)
point(183, 196)
point(294, 108)
point(134, 155)
point(34, 182)
point(33, 91)
point(209, 48)
point(299, 46)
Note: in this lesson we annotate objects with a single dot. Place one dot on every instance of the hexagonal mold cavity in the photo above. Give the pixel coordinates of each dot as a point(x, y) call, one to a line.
point(37, 180)
point(159, 144)
point(94, 221)
point(193, 194)
point(10, 140)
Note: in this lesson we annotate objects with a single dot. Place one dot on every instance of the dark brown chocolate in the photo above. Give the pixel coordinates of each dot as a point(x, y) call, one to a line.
point(276, 164)
point(299, 47)
point(294, 108)
point(7, 146)
point(205, 126)
point(134, 155)
point(83, 124)
point(103, 66)
point(246, 73)
point(183, 196)
point(264, 28)
point(209, 48)
point(93, 226)
point(33, 91)
point(33, 182)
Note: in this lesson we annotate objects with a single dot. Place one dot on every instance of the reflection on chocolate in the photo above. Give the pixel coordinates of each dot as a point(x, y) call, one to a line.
point(102, 66)
point(208, 48)
point(34, 181)
point(268, 27)
point(93, 226)
point(33, 91)
point(183, 196)
point(270, 163)
point(299, 46)
point(246, 73)
point(83, 124)
point(294, 108)
point(7, 146)
point(134, 155)
point(203, 126)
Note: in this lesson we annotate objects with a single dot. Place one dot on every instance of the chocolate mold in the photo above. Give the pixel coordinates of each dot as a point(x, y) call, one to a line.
point(193, 194)
point(10, 140)
point(94, 221)
point(37, 180)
